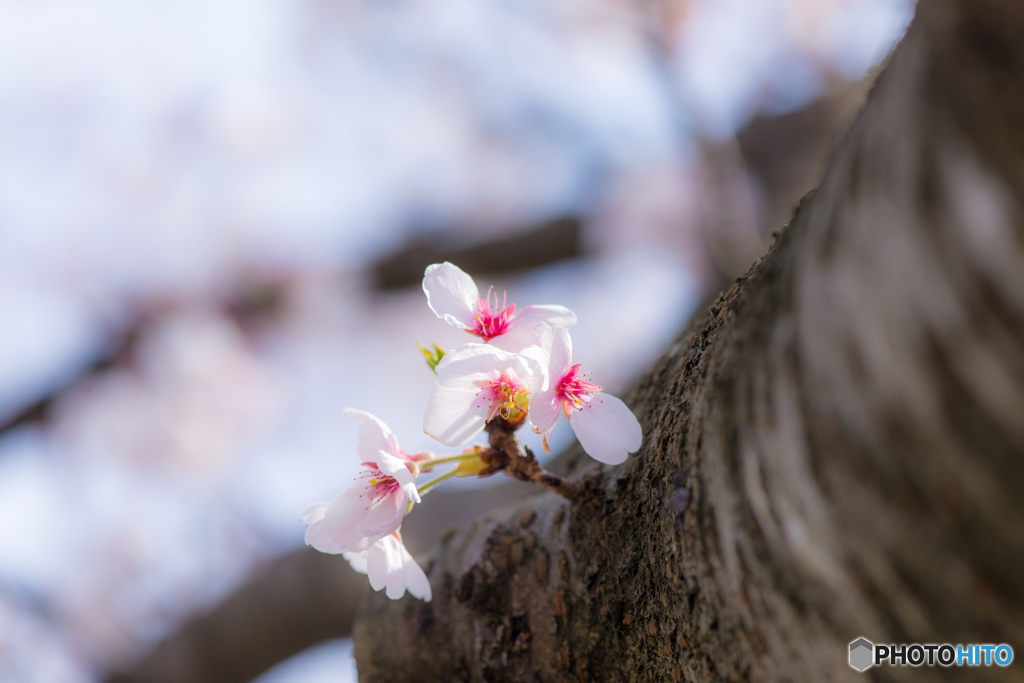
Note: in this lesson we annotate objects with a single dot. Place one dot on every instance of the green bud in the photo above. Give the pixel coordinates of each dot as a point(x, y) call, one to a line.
point(433, 357)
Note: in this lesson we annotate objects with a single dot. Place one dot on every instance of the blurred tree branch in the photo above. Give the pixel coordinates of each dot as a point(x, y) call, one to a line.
point(39, 411)
point(751, 183)
point(521, 249)
point(294, 602)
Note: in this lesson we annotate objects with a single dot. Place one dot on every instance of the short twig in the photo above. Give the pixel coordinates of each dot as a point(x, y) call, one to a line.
point(507, 455)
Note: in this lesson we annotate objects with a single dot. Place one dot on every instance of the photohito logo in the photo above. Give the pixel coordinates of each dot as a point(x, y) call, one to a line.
point(864, 654)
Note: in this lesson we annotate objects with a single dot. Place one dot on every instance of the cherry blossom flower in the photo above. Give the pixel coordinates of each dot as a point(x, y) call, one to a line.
point(605, 426)
point(374, 506)
point(475, 384)
point(453, 296)
point(389, 565)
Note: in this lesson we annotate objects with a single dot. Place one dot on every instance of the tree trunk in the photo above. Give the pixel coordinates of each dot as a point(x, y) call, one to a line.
point(835, 451)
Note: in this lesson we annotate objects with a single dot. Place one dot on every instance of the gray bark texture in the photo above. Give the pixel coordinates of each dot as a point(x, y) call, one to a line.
point(836, 450)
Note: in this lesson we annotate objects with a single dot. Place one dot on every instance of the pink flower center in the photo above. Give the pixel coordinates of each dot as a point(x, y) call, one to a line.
point(574, 389)
point(500, 394)
point(381, 485)
point(492, 319)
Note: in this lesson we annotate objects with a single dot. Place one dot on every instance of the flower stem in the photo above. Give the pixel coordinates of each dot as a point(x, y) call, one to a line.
point(434, 482)
point(428, 465)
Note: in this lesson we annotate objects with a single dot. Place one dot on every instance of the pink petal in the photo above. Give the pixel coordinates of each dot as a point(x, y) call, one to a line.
point(607, 429)
point(451, 294)
point(454, 416)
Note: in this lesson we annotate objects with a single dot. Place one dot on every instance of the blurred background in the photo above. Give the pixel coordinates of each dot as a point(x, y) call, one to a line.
point(214, 219)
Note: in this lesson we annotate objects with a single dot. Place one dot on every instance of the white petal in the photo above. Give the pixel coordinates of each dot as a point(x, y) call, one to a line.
point(470, 364)
point(451, 294)
point(411, 492)
point(314, 513)
point(539, 354)
point(474, 364)
point(530, 329)
point(385, 515)
point(357, 560)
point(373, 435)
point(387, 567)
point(519, 335)
point(318, 533)
point(318, 536)
point(396, 575)
point(555, 316)
point(338, 530)
point(607, 429)
point(560, 353)
point(528, 371)
point(544, 409)
point(416, 581)
point(390, 566)
point(395, 467)
point(454, 416)
point(377, 565)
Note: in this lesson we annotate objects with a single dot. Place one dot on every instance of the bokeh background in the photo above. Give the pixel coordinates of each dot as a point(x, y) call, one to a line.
point(214, 218)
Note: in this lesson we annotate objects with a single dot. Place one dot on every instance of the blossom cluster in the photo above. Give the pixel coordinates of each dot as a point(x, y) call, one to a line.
point(519, 369)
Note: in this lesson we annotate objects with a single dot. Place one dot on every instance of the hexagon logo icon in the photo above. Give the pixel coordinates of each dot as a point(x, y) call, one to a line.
point(862, 654)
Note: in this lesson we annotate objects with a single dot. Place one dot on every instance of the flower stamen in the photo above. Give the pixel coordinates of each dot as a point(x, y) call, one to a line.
point(491, 319)
point(575, 391)
point(380, 484)
point(503, 394)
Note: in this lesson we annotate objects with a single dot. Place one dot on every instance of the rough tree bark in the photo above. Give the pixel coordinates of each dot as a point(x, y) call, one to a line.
point(835, 451)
